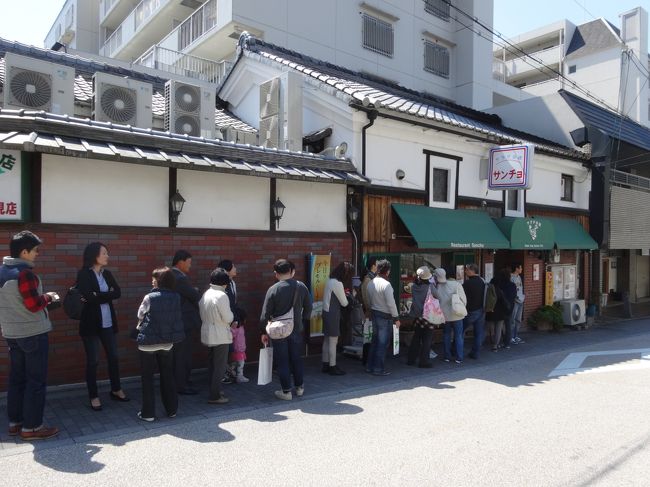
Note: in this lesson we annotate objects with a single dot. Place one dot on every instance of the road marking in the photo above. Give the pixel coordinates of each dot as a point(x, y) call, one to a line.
point(572, 363)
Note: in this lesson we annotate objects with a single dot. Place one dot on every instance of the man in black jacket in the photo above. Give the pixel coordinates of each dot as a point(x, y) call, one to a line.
point(190, 296)
point(474, 287)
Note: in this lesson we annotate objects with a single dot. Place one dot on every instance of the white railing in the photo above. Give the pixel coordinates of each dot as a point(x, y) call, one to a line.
point(106, 7)
point(144, 10)
point(499, 70)
point(113, 42)
point(184, 64)
point(621, 178)
point(197, 24)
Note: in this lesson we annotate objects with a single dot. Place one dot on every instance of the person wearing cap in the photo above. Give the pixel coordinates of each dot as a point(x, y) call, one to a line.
point(444, 290)
point(474, 287)
point(288, 293)
point(384, 315)
point(423, 330)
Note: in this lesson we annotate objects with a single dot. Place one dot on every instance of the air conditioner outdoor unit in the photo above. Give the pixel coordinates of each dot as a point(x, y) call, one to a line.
point(573, 312)
point(38, 85)
point(122, 100)
point(281, 112)
point(189, 109)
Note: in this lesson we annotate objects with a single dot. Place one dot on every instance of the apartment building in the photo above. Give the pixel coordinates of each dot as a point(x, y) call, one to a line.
point(415, 43)
point(609, 61)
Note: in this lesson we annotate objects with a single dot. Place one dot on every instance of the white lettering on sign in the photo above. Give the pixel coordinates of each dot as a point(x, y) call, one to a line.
point(510, 167)
point(470, 245)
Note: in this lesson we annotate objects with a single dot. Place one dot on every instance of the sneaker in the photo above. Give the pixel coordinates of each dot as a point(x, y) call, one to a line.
point(285, 396)
point(43, 433)
point(300, 390)
point(519, 341)
point(241, 379)
point(447, 360)
point(383, 373)
point(172, 415)
point(14, 429)
point(432, 354)
point(335, 370)
point(227, 380)
point(220, 400)
point(459, 362)
point(148, 420)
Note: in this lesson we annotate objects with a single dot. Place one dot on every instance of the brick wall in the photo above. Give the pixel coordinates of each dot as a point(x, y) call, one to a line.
point(134, 253)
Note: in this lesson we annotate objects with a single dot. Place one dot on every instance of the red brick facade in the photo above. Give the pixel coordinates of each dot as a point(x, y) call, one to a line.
point(134, 253)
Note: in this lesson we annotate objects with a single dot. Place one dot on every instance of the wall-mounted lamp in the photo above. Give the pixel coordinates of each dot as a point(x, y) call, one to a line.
point(353, 213)
point(176, 203)
point(400, 174)
point(277, 210)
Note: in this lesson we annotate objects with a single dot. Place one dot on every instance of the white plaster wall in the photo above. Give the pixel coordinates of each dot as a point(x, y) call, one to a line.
point(547, 179)
point(600, 73)
point(226, 201)
point(92, 192)
point(312, 207)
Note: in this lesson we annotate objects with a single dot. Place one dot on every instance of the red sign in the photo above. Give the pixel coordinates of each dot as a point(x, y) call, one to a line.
point(510, 167)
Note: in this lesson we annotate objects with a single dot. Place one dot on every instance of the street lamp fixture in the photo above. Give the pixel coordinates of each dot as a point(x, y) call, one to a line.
point(277, 209)
point(176, 203)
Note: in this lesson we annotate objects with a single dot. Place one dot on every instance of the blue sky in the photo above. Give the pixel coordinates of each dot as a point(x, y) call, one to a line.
point(28, 21)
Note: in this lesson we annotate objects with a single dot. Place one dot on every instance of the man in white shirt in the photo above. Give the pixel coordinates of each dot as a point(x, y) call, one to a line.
point(384, 315)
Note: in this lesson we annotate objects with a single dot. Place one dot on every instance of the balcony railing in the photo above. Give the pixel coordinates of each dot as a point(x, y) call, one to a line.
point(106, 7)
point(144, 10)
point(184, 64)
point(621, 178)
point(113, 43)
point(197, 24)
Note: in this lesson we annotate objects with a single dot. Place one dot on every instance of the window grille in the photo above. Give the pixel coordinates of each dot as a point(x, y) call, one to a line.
point(436, 59)
point(378, 36)
point(567, 187)
point(440, 185)
point(439, 8)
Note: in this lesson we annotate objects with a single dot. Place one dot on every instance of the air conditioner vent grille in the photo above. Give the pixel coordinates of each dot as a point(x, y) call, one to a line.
point(118, 103)
point(188, 98)
point(30, 88)
point(187, 124)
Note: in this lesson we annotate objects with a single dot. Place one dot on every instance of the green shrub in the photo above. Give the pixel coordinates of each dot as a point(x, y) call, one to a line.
point(547, 314)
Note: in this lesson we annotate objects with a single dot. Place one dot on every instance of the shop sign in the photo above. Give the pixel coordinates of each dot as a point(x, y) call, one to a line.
point(11, 196)
point(510, 167)
point(319, 271)
point(466, 245)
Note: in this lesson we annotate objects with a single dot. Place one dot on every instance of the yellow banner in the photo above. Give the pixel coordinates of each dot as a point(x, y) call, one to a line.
point(320, 273)
point(548, 291)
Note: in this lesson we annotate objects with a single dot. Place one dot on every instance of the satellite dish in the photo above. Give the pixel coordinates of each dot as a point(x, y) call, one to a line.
point(337, 152)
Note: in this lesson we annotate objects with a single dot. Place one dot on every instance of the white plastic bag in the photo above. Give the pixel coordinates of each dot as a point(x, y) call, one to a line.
point(395, 340)
point(265, 368)
point(367, 331)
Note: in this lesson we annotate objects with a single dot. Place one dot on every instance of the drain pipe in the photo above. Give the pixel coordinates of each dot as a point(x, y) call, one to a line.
point(372, 116)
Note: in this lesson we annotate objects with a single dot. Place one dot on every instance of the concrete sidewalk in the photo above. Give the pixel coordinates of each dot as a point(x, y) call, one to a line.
point(67, 406)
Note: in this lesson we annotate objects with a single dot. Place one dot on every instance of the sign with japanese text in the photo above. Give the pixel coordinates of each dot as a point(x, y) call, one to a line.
point(11, 197)
point(510, 167)
point(319, 272)
point(548, 294)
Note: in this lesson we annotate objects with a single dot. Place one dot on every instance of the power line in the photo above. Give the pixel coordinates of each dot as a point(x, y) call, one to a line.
point(585, 9)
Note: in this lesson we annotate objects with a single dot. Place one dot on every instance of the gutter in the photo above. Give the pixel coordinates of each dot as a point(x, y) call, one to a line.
point(372, 116)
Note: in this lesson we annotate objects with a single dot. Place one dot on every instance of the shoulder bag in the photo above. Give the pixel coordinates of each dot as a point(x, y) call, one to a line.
point(282, 326)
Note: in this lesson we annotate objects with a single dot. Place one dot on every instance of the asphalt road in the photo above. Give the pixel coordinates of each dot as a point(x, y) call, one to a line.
point(566, 414)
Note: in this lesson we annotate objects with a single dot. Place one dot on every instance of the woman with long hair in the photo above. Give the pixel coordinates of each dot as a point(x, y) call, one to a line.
point(98, 324)
point(333, 300)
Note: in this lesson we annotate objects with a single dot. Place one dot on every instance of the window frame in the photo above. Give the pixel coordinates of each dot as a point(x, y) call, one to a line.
point(434, 10)
point(563, 188)
point(432, 46)
point(365, 16)
point(521, 196)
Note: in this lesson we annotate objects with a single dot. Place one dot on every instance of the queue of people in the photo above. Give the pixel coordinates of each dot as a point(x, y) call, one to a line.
point(171, 312)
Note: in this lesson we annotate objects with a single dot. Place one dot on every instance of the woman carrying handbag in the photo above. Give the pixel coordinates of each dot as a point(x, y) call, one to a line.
point(452, 299)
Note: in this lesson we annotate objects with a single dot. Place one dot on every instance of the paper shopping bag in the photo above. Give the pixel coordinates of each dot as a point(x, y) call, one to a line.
point(395, 340)
point(265, 368)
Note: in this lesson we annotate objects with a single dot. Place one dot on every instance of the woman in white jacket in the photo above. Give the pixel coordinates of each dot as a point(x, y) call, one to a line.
point(216, 318)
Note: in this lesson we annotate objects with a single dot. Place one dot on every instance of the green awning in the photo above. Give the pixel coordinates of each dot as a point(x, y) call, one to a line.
point(441, 228)
point(569, 234)
point(527, 233)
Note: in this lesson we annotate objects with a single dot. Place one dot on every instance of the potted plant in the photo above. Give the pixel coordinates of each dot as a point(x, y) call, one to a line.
point(547, 318)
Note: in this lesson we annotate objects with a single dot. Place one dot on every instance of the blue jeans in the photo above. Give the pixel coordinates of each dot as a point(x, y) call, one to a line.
point(382, 332)
point(476, 320)
point(515, 318)
point(27, 380)
point(457, 326)
point(287, 355)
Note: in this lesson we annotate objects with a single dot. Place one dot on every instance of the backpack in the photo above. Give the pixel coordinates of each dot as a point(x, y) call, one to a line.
point(491, 298)
point(73, 304)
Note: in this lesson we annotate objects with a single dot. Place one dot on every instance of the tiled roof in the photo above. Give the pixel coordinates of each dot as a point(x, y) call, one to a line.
point(592, 37)
point(611, 123)
point(357, 87)
point(56, 134)
point(83, 86)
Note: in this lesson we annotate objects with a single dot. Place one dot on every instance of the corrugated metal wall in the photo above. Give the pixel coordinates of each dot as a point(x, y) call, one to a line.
point(629, 219)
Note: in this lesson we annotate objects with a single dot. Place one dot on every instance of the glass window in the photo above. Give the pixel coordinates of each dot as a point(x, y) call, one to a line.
point(377, 35)
point(439, 8)
point(436, 59)
point(440, 185)
point(567, 188)
point(572, 69)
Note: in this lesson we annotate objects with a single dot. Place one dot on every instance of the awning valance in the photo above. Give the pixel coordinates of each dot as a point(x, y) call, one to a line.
point(569, 234)
point(527, 233)
point(441, 228)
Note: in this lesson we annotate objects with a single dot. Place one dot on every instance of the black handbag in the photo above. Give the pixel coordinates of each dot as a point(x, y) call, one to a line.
point(73, 303)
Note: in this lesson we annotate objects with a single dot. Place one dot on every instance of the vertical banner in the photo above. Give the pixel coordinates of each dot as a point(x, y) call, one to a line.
point(548, 294)
point(319, 272)
point(11, 196)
